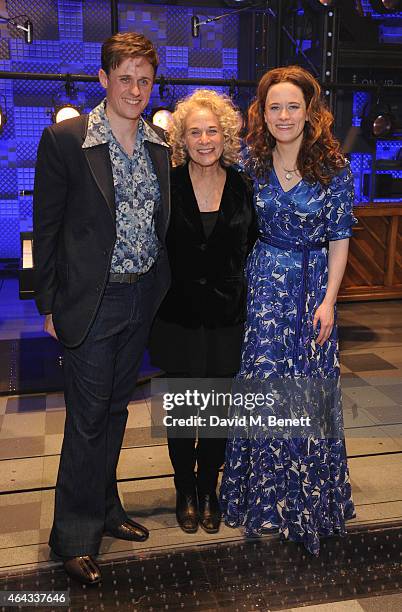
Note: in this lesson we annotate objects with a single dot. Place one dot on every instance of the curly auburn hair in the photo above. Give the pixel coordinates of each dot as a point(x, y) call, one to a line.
point(228, 118)
point(320, 156)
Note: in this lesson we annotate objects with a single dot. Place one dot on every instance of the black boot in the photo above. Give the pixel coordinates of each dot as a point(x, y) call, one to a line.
point(187, 511)
point(209, 512)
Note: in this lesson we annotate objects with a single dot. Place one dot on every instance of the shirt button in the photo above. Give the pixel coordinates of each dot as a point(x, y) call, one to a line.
point(104, 253)
point(202, 281)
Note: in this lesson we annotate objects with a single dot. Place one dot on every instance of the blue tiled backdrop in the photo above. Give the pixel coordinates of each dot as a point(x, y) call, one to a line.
point(67, 38)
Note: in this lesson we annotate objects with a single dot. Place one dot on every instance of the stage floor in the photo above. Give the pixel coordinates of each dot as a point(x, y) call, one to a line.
point(31, 426)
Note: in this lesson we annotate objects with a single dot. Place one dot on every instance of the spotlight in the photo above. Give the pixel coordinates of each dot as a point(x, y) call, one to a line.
point(321, 4)
point(162, 117)
point(65, 104)
point(382, 125)
point(377, 121)
point(27, 27)
point(164, 89)
point(65, 111)
point(195, 25)
point(386, 6)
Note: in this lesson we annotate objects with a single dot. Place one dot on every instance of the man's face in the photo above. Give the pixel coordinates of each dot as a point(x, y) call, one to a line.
point(128, 88)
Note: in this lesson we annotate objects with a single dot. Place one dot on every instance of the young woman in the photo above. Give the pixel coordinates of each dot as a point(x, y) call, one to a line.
point(304, 198)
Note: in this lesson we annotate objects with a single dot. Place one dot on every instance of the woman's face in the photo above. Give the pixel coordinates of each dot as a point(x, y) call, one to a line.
point(203, 137)
point(285, 112)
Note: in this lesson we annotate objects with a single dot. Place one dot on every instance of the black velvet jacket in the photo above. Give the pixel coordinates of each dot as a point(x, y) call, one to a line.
point(208, 283)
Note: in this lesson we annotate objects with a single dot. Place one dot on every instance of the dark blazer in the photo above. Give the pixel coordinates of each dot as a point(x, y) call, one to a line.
point(208, 282)
point(75, 229)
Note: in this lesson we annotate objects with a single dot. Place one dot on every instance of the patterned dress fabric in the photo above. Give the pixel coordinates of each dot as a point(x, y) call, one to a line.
point(299, 486)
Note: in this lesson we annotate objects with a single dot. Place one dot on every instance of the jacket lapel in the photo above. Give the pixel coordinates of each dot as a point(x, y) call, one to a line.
point(160, 161)
point(232, 198)
point(230, 203)
point(99, 163)
point(188, 201)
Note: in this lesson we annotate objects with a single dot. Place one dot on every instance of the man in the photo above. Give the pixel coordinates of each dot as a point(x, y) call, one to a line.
point(101, 208)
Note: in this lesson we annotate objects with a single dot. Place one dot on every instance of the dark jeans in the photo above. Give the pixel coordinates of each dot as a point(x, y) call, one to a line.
point(100, 377)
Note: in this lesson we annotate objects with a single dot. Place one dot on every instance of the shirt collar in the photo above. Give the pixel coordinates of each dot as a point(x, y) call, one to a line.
point(151, 135)
point(99, 130)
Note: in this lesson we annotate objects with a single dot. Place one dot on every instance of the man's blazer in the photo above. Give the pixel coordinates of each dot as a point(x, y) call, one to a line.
point(75, 229)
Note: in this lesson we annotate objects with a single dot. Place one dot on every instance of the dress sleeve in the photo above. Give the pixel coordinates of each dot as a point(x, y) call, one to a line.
point(340, 216)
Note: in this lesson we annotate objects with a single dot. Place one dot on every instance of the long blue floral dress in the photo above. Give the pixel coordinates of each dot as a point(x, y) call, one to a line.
point(299, 486)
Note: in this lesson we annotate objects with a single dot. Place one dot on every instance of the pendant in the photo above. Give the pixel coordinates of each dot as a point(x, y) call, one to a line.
point(288, 176)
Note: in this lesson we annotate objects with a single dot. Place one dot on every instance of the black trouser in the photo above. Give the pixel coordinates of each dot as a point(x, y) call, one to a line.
point(100, 376)
point(207, 453)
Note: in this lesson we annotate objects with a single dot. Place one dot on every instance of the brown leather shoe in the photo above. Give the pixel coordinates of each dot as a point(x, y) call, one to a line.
point(84, 569)
point(209, 512)
point(187, 511)
point(129, 530)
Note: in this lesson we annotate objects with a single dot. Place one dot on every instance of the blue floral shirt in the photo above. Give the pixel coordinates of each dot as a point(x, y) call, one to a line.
point(137, 193)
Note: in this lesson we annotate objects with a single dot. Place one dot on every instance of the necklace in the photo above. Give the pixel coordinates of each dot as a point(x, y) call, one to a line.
point(208, 200)
point(205, 199)
point(288, 173)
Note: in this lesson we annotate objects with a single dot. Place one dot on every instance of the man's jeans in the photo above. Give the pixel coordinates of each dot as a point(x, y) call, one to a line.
point(100, 377)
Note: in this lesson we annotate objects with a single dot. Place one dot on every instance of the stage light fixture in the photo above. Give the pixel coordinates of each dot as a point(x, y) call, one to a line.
point(239, 5)
point(26, 27)
point(165, 90)
point(386, 6)
point(382, 125)
point(65, 103)
point(195, 25)
point(321, 5)
point(65, 111)
point(162, 117)
point(377, 121)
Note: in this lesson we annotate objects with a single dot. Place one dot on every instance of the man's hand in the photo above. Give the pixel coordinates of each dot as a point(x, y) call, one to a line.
point(49, 327)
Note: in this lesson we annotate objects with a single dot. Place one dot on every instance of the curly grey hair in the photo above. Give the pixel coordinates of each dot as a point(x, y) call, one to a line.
point(227, 115)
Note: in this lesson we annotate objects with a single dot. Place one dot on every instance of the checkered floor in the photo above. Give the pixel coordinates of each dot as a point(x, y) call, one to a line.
point(31, 428)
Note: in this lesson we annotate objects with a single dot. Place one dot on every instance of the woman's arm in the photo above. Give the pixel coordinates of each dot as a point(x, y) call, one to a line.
point(337, 259)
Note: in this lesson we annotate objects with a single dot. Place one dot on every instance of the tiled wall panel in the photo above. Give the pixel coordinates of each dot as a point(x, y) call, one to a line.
point(67, 38)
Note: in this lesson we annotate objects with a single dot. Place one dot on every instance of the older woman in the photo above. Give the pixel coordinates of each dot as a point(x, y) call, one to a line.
point(198, 330)
point(304, 197)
